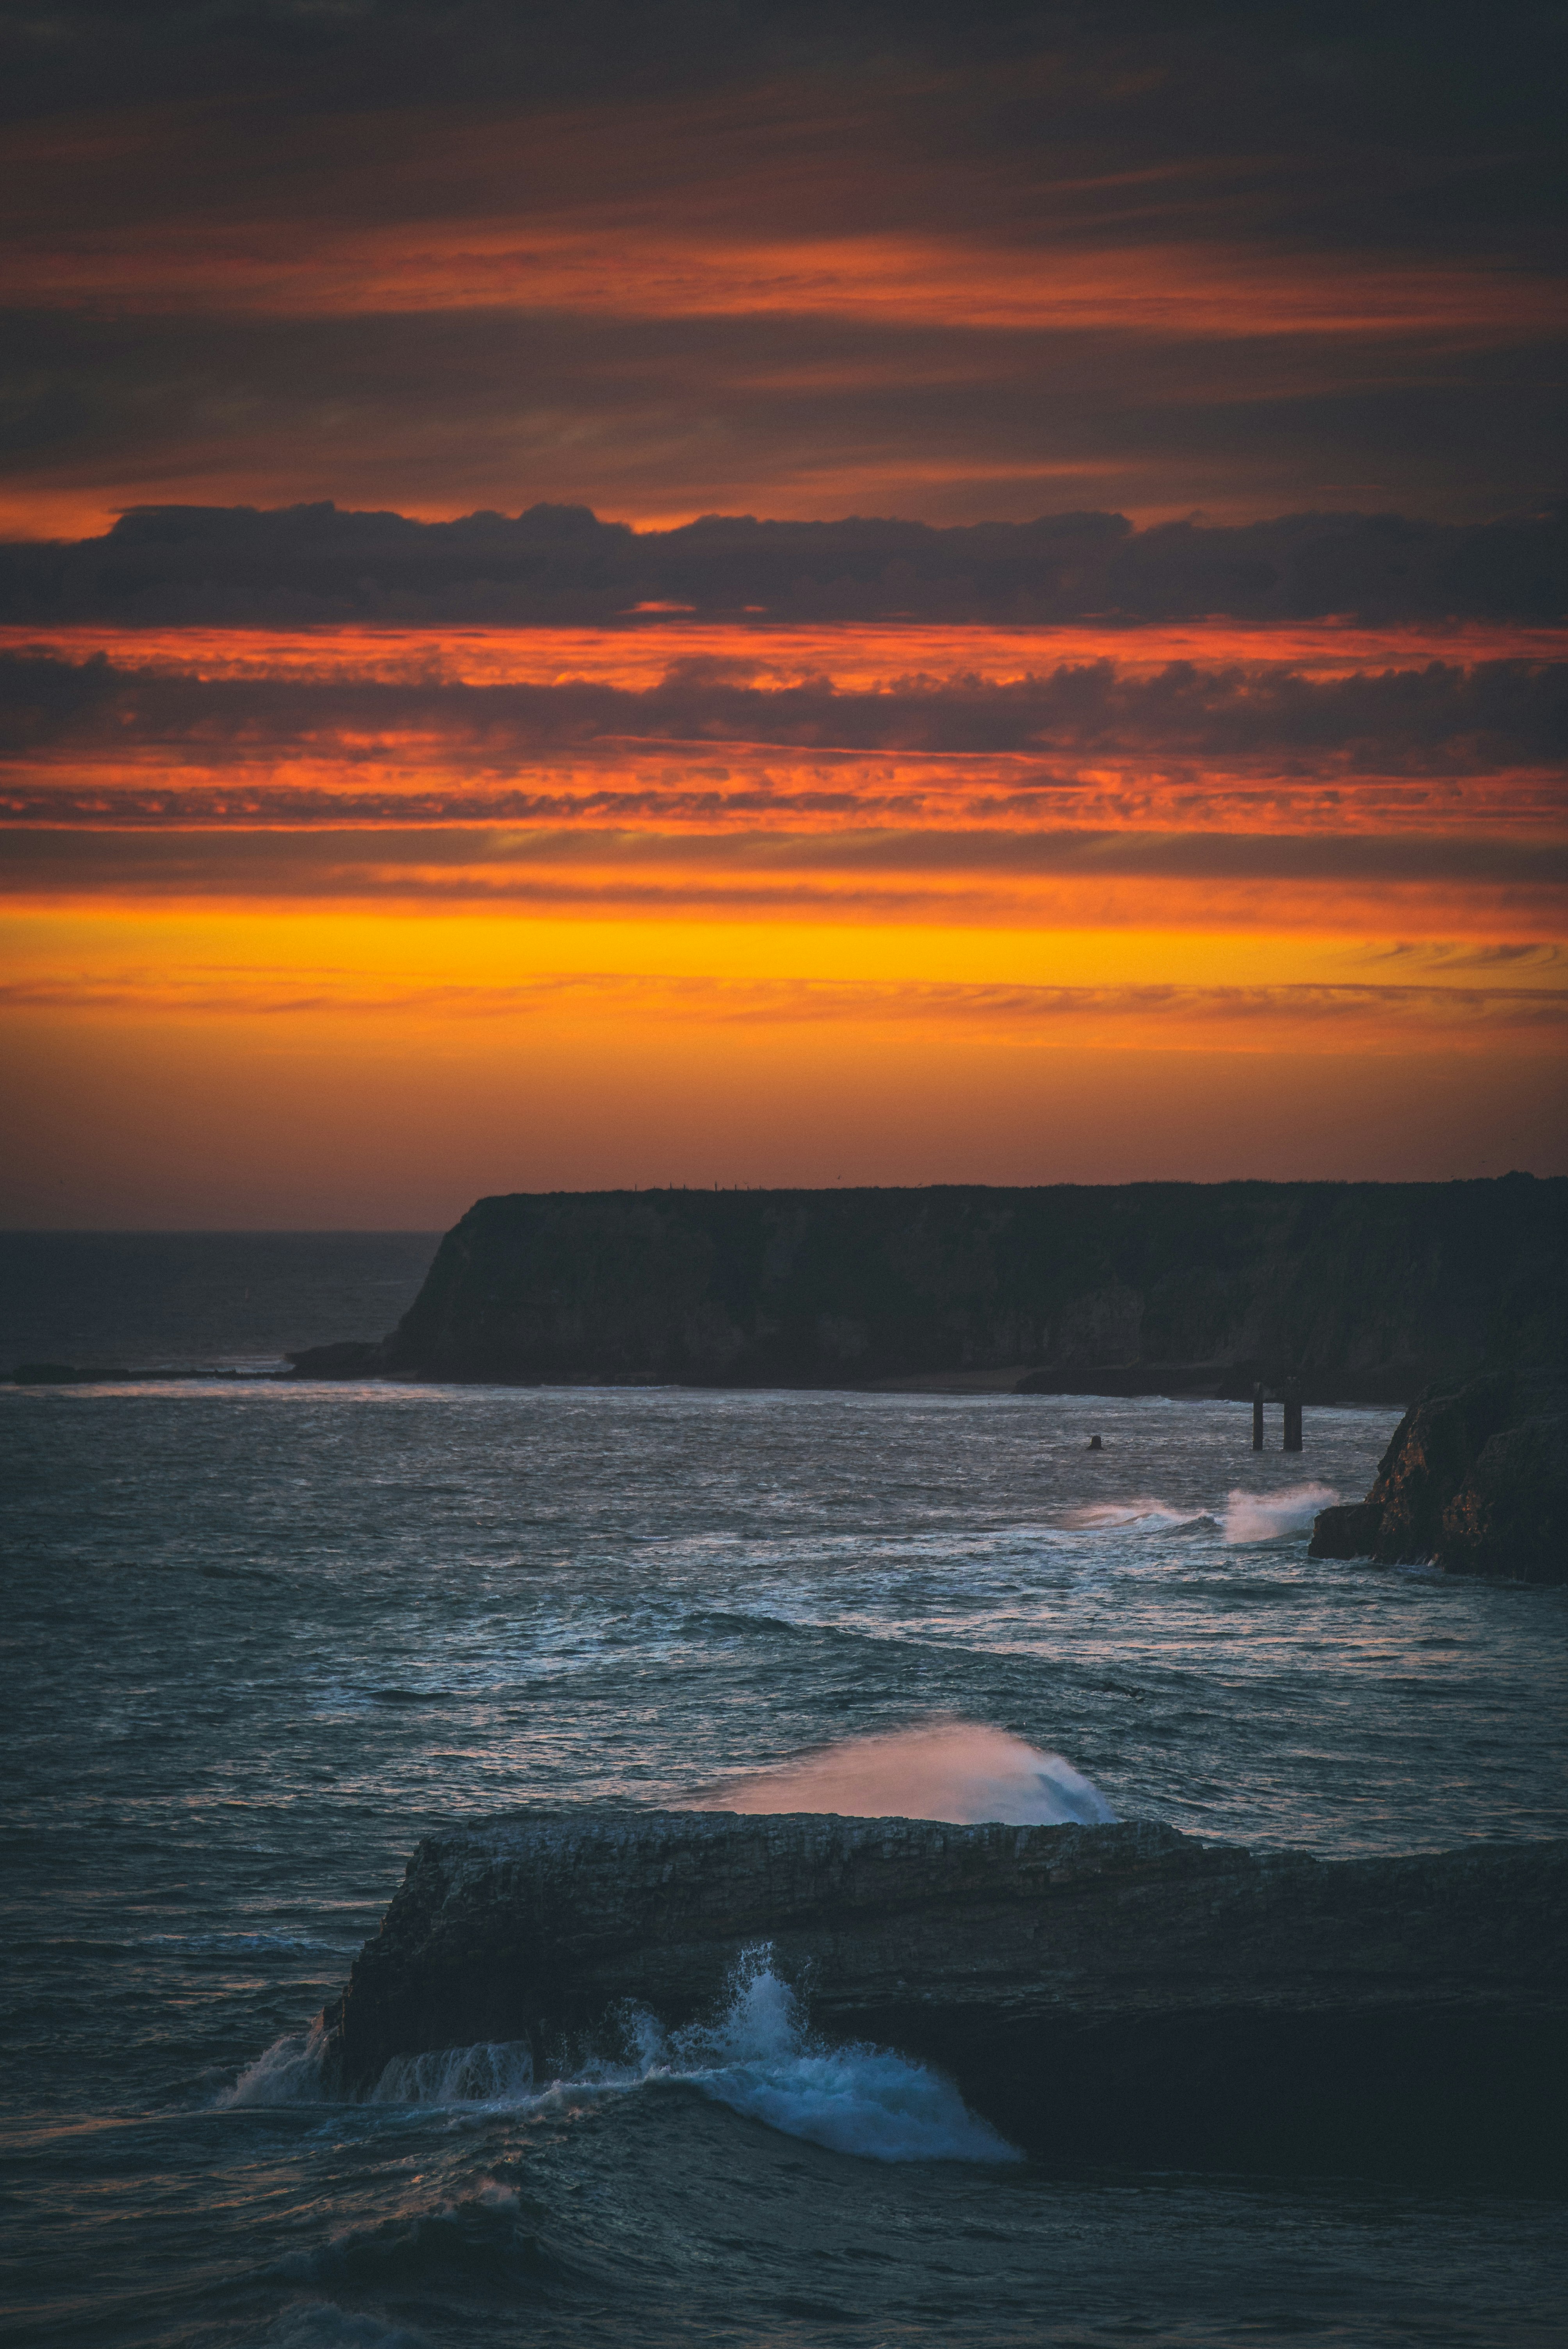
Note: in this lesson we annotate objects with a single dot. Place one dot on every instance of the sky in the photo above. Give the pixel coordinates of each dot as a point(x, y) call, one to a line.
point(639, 594)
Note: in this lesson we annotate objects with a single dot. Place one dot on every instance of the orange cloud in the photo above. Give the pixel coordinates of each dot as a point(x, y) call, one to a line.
point(858, 656)
point(614, 267)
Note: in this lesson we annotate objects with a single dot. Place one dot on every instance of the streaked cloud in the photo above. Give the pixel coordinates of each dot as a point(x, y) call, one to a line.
point(854, 259)
point(1435, 716)
point(845, 578)
point(1431, 1018)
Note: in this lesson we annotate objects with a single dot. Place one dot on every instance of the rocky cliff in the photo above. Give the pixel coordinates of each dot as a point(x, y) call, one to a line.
point(1475, 1480)
point(1362, 1291)
point(1116, 1993)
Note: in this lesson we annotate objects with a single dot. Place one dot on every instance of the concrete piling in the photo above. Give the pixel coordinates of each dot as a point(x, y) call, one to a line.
point(1292, 1417)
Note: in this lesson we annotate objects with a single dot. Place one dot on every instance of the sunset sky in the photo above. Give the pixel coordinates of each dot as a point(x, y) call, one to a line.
point(721, 594)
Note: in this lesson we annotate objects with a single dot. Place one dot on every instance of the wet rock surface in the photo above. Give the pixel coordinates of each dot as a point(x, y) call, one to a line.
point(1119, 1993)
point(1475, 1480)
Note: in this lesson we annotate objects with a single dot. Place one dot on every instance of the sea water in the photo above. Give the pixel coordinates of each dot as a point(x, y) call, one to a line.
point(260, 1637)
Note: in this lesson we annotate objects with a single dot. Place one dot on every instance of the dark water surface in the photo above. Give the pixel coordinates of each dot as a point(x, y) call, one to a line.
point(177, 1300)
point(259, 1637)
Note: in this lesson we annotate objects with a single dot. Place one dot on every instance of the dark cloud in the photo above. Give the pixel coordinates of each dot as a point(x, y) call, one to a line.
point(193, 307)
point(1417, 121)
point(802, 415)
point(1440, 717)
point(310, 563)
point(485, 860)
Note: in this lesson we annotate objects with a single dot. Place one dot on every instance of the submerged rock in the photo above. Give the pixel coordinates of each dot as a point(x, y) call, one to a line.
point(1475, 1480)
point(1115, 1993)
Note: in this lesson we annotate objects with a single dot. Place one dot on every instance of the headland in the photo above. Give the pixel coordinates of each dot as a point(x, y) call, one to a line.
point(1357, 1291)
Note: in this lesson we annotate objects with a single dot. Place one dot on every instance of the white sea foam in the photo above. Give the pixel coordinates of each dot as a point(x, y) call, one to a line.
point(963, 1771)
point(1114, 1516)
point(1266, 1516)
point(869, 2100)
point(492, 2072)
point(289, 2073)
point(756, 2055)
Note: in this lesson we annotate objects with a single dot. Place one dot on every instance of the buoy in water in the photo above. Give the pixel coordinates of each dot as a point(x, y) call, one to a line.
point(1095, 1445)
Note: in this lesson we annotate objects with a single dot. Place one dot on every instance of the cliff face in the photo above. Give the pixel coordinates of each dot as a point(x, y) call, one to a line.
point(1119, 1993)
point(1475, 1480)
point(1362, 1290)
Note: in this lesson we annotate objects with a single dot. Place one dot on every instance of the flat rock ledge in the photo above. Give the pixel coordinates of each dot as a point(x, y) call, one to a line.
point(1113, 1994)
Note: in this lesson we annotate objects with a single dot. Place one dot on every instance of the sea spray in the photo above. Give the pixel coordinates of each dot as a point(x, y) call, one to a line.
point(1273, 1516)
point(759, 2059)
point(754, 2055)
point(961, 1771)
point(492, 2072)
point(287, 2073)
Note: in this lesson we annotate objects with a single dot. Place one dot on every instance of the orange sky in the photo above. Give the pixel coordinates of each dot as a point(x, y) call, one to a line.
point(978, 282)
point(627, 958)
point(1172, 785)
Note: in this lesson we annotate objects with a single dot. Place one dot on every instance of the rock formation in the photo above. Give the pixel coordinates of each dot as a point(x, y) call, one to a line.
point(1475, 1480)
point(1114, 1993)
point(1360, 1291)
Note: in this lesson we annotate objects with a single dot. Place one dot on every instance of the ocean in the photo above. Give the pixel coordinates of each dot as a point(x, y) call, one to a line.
point(261, 1636)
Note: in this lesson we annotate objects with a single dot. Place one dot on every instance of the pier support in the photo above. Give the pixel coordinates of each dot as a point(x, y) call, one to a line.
point(1257, 1418)
point(1291, 1417)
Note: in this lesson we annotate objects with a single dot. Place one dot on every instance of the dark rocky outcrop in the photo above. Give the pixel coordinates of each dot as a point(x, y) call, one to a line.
point(1350, 1531)
point(1475, 1480)
point(1115, 1993)
point(1358, 1291)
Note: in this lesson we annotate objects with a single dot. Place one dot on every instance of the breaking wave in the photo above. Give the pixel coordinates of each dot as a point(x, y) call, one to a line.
point(961, 1771)
point(756, 2056)
point(289, 2073)
point(1115, 1517)
point(1268, 1516)
point(759, 2059)
point(492, 2072)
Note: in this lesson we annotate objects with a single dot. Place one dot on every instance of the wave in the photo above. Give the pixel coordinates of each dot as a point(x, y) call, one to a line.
point(492, 2072)
point(424, 2244)
point(962, 1771)
point(756, 2055)
point(759, 2060)
point(245, 1945)
point(289, 2073)
point(322, 2324)
point(1111, 1516)
point(1268, 1516)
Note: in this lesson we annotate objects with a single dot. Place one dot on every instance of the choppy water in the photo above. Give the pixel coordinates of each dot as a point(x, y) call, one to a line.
point(259, 1637)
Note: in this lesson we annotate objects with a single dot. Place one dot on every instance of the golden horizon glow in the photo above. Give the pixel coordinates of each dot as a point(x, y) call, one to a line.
point(368, 939)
